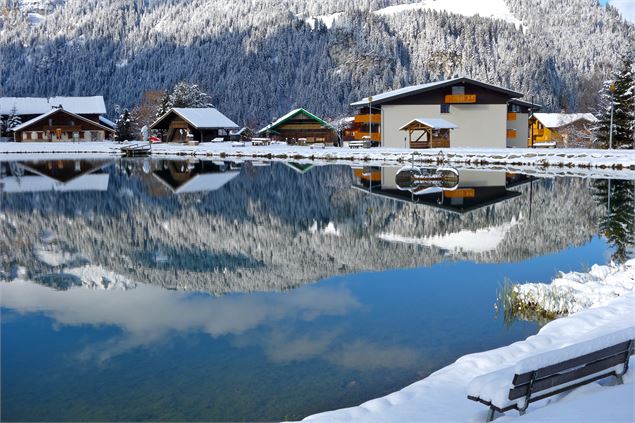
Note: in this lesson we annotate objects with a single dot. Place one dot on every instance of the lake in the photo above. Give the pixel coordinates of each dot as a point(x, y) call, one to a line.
point(213, 290)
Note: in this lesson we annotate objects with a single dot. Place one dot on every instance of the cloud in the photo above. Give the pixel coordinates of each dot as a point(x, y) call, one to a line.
point(626, 8)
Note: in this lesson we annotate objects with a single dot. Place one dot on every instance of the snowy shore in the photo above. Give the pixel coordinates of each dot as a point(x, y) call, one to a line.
point(442, 396)
point(539, 157)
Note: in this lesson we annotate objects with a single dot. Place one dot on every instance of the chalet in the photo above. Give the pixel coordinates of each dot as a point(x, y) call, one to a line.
point(183, 177)
point(518, 114)
point(561, 129)
point(62, 125)
point(194, 124)
point(28, 108)
point(300, 127)
point(477, 111)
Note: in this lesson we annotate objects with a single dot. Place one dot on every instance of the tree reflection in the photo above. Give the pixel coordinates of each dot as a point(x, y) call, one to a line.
point(618, 222)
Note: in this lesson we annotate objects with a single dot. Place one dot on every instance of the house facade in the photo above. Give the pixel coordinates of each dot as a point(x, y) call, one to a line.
point(300, 126)
point(62, 125)
point(518, 114)
point(202, 124)
point(477, 110)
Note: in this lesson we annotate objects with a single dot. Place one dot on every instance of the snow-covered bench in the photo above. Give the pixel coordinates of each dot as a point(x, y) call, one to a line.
point(553, 372)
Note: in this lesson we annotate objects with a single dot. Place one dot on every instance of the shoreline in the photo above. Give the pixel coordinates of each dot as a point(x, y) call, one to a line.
point(565, 160)
point(442, 396)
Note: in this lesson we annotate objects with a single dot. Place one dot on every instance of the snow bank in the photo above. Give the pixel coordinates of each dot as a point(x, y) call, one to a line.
point(574, 291)
point(442, 396)
point(538, 161)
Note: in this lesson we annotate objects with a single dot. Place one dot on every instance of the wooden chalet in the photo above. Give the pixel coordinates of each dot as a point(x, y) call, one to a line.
point(429, 133)
point(202, 124)
point(62, 125)
point(300, 127)
point(561, 130)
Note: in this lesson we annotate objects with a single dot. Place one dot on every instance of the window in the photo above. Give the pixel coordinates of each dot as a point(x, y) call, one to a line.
point(458, 90)
point(445, 108)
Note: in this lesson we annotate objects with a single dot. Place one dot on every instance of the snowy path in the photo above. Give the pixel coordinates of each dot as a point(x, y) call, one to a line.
point(442, 396)
point(564, 159)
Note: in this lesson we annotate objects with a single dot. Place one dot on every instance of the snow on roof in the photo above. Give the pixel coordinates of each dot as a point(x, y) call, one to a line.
point(416, 89)
point(558, 120)
point(432, 123)
point(289, 116)
point(201, 117)
point(52, 111)
point(107, 122)
point(202, 182)
point(38, 105)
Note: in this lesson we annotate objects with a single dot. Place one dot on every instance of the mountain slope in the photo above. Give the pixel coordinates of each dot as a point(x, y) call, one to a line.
point(260, 59)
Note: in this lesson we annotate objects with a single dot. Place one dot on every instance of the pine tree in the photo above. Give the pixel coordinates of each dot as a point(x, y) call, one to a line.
point(184, 94)
point(14, 119)
point(164, 106)
point(621, 103)
point(126, 126)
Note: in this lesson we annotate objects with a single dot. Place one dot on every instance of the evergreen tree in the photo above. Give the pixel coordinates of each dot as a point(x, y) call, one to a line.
point(3, 126)
point(14, 119)
point(126, 126)
point(164, 106)
point(184, 94)
point(621, 104)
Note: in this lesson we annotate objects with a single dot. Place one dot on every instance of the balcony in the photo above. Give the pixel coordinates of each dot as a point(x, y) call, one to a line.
point(374, 118)
point(511, 133)
point(460, 98)
point(511, 116)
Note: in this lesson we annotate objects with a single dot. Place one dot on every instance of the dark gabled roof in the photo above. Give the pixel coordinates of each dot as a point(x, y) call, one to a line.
point(271, 127)
point(417, 89)
point(528, 104)
point(200, 118)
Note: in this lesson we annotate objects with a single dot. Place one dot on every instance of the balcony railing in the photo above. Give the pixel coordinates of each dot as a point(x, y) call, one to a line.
point(374, 118)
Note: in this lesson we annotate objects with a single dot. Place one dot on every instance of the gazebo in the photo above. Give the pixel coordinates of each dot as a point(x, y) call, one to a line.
point(431, 133)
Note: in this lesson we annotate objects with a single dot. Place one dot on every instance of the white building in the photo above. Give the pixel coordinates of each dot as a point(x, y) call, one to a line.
point(477, 109)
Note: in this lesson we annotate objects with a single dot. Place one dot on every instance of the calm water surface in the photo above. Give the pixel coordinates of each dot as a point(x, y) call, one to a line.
point(164, 290)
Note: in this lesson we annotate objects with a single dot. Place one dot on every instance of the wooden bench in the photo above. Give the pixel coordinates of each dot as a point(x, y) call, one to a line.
point(355, 144)
point(554, 379)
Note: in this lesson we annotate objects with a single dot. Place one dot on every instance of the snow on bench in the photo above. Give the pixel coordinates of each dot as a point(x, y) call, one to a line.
point(553, 372)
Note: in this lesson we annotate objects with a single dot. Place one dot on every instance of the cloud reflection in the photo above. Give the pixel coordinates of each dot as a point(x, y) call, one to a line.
point(147, 315)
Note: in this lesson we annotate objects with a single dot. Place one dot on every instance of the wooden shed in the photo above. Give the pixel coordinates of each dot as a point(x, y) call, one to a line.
point(429, 133)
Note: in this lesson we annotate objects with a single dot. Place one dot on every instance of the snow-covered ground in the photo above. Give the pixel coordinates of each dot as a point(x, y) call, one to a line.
point(568, 162)
point(442, 396)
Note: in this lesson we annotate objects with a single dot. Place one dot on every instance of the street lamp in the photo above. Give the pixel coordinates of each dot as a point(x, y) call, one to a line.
point(612, 90)
point(370, 117)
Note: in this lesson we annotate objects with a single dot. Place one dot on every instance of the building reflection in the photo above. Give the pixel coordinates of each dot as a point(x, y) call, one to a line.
point(189, 176)
point(54, 175)
point(440, 188)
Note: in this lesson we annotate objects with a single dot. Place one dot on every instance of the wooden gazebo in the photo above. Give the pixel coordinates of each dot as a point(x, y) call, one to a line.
point(430, 133)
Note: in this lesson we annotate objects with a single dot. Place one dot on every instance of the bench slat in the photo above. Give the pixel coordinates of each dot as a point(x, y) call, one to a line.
point(574, 362)
point(561, 378)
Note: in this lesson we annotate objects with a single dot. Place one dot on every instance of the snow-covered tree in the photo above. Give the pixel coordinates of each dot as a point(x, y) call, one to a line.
point(14, 119)
point(184, 94)
point(618, 99)
point(618, 222)
point(126, 128)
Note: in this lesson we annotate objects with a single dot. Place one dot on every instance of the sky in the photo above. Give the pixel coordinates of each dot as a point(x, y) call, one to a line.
point(626, 7)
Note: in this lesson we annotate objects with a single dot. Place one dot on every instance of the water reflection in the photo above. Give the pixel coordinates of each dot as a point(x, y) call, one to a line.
point(285, 281)
point(54, 175)
point(618, 220)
